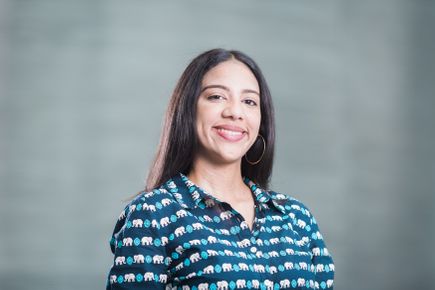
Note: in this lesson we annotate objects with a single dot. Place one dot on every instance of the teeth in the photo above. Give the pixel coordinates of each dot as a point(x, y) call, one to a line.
point(231, 133)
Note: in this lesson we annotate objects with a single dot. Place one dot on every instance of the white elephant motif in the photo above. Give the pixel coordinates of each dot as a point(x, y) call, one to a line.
point(179, 249)
point(276, 228)
point(132, 208)
point(243, 267)
point(319, 235)
point(152, 207)
point(284, 283)
point(122, 215)
point(246, 243)
point(289, 251)
point(301, 282)
point(320, 268)
point(300, 243)
point(207, 218)
point(276, 218)
point(127, 242)
point(155, 224)
point(203, 286)
point(289, 240)
point(129, 277)
point(181, 213)
point(157, 259)
point(225, 232)
point(164, 241)
point(259, 268)
point(112, 279)
point(244, 225)
point(329, 283)
point(212, 253)
point(273, 270)
point(274, 241)
point(292, 215)
point(325, 252)
point(331, 267)
point(120, 260)
point(241, 283)
point(295, 206)
point(222, 285)
point(210, 202)
point(139, 259)
point(195, 242)
point(209, 270)
point(163, 278)
point(255, 284)
point(316, 285)
point(268, 284)
point(179, 266)
point(301, 224)
point(211, 239)
point(227, 267)
point(137, 223)
point(195, 195)
point(228, 252)
point(259, 254)
point(149, 276)
point(303, 266)
point(147, 241)
point(166, 201)
point(260, 242)
point(164, 221)
point(226, 215)
point(288, 265)
point(180, 231)
point(197, 226)
point(316, 251)
point(225, 242)
point(273, 254)
point(243, 255)
point(195, 257)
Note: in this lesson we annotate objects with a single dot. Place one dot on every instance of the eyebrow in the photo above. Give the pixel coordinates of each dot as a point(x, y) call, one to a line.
point(227, 89)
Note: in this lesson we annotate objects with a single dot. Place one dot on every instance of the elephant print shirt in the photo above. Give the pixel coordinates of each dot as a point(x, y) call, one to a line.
point(178, 236)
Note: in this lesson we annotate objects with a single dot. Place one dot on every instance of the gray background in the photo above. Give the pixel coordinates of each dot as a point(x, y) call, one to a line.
point(84, 84)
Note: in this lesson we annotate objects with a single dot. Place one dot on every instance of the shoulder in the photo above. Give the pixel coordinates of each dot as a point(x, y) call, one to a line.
point(147, 208)
point(290, 204)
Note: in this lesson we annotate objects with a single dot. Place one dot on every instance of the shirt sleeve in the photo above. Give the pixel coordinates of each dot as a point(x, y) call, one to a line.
point(140, 260)
point(321, 259)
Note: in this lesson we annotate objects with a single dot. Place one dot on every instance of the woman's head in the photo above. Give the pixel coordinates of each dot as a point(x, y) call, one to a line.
point(180, 143)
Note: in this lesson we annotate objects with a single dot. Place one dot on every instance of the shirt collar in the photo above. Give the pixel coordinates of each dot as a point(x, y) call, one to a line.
point(190, 195)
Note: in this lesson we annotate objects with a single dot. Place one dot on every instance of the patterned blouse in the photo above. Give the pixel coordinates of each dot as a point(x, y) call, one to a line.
point(180, 237)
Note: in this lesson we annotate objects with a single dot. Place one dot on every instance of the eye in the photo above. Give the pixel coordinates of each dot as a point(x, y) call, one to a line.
point(215, 97)
point(250, 102)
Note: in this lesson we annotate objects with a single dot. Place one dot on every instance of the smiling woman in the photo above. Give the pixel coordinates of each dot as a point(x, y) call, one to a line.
point(206, 219)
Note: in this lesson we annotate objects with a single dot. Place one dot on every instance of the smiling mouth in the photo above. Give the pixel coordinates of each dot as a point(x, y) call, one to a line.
point(230, 135)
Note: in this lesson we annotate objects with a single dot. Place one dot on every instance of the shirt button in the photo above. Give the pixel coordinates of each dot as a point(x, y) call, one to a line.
point(253, 249)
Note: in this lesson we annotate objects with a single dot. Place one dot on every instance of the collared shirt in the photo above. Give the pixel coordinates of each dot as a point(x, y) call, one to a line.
point(178, 236)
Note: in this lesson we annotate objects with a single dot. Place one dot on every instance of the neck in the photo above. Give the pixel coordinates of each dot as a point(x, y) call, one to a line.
point(223, 181)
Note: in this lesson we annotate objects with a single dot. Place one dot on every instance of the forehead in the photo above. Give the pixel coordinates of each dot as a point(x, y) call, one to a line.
point(233, 73)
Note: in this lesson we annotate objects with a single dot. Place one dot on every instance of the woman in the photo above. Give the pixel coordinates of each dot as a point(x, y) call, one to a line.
point(206, 220)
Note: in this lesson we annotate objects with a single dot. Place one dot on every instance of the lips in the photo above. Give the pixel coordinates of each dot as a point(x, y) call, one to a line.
point(230, 133)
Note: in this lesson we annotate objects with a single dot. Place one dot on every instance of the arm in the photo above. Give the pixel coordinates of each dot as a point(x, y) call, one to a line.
point(322, 261)
point(138, 262)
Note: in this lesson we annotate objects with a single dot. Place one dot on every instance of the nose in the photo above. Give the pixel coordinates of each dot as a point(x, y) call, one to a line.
point(233, 110)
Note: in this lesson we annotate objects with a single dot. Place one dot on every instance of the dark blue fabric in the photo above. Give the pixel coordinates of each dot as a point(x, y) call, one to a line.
point(180, 237)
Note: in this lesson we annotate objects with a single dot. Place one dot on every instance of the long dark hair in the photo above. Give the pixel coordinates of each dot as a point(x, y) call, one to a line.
point(179, 142)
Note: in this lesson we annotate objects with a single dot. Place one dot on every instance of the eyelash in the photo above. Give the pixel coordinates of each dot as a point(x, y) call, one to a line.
point(249, 102)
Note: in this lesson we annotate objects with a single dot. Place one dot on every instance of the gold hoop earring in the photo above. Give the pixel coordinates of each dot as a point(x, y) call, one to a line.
point(261, 157)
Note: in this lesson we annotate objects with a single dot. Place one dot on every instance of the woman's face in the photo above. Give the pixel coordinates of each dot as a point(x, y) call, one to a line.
point(228, 112)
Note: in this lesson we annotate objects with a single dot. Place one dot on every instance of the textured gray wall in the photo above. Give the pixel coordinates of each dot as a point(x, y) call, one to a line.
point(84, 84)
